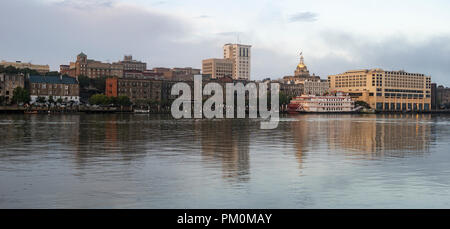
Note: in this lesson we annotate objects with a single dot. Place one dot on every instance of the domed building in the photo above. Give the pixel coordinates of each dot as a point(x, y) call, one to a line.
point(312, 84)
point(302, 70)
point(301, 73)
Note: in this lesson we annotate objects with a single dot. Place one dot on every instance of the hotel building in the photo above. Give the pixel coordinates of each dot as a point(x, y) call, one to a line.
point(217, 68)
point(240, 55)
point(385, 90)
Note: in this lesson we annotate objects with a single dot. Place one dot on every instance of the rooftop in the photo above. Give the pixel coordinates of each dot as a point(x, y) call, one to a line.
point(53, 79)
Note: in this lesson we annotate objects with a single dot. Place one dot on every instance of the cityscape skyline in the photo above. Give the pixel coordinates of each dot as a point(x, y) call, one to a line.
point(174, 36)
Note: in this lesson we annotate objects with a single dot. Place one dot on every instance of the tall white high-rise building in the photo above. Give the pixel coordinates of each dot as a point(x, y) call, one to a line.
point(240, 55)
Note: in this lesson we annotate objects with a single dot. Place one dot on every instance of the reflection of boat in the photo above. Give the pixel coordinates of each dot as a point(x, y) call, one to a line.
point(30, 112)
point(322, 104)
point(140, 111)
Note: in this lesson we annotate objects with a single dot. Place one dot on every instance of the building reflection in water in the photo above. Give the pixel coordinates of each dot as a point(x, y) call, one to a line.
point(227, 141)
point(370, 136)
point(107, 136)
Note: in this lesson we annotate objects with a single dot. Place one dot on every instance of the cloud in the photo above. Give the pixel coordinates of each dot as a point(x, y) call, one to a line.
point(86, 4)
point(346, 51)
point(204, 16)
point(349, 51)
point(55, 33)
point(304, 17)
point(159, 3)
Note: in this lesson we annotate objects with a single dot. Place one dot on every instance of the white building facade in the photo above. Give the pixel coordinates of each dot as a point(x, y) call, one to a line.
point(241, 58)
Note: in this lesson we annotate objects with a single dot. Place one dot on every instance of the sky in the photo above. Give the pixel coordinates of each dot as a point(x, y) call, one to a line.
point(334, 36)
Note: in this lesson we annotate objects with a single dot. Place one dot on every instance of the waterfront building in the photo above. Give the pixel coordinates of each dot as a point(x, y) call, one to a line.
point(291, 90)
point(58, 87)
point(385, 90)
point(240, 55)
point(434, 104)
point(41, 69)
point(217, 68)
point(443, 97)
point(316, 87)
point(9, 82)
point(135, 89)
point(321, 104)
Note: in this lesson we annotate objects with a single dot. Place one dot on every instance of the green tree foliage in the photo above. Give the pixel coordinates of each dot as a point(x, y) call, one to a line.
point(40, 99)
point(123, 101)
point(50, 99)
point(21, 95)
point(362, 104)
point(84, 81)
point(54, 73)
point(13, 70)
point(59, 100)
point(98, 83)
point(99, 99)
point(284, 99)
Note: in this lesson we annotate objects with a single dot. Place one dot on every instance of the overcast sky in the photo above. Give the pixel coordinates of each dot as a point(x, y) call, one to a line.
point(334, 36)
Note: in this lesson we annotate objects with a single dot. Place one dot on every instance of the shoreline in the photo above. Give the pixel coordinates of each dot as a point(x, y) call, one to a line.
point(129, 110)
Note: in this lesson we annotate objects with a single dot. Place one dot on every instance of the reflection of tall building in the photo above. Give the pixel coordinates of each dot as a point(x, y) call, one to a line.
point(228, 142)
point(306, 136)
point(376, 137)
point(370, 136)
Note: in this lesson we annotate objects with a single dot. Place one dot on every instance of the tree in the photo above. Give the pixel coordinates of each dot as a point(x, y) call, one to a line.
point(54, 73)
point(84, 81)
point(99, 99)
point(99, 84)
point(123, 101)
point(21, 95)
point(50, 99)
point(40, 99)
point(284, 99)
point(59, 100)
point(362, 104)
point(13, 70)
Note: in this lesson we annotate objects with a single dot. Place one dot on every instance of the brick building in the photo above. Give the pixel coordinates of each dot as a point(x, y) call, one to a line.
point(443, 97)
point(135, 89)
point(9, 82)
point(64, 87)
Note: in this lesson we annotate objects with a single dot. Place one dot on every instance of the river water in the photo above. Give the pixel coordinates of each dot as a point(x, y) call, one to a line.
point(152, 161)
